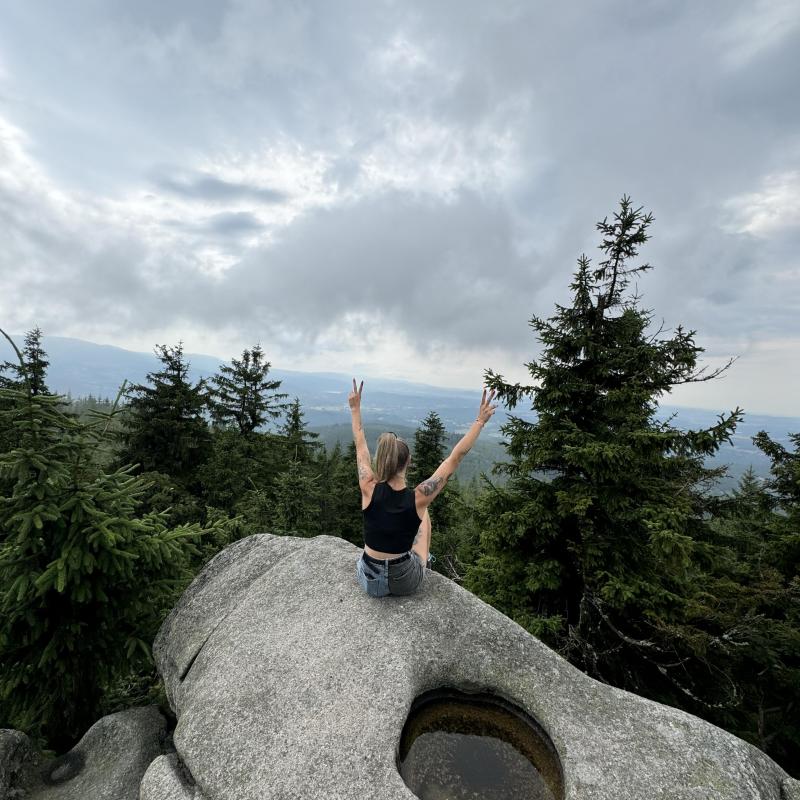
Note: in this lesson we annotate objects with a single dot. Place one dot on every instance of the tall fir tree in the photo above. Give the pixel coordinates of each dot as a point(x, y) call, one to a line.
point(243, 396)
point(164, 428)
point(31, 370)
point(238, 464)
point(430, 449)
point(74, 556)
point(430, 442)
point(589, 545)
point(300, 443)
point(784, 487)
point(298, 506)
point(341, 496)
point(748, 604)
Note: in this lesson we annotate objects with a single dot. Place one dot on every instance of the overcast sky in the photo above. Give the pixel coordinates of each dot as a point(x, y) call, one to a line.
point(395, 188)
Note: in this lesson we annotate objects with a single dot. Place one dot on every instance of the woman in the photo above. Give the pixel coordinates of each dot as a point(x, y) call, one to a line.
point(397, 527)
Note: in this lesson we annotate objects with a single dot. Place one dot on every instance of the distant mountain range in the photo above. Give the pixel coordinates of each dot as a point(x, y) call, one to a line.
point(81, 368)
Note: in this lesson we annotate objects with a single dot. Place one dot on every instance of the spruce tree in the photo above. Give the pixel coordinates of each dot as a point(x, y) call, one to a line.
point(589, 545)
point(242, 396)
point(747, 606)
point(341, 497)
point(430, 449)
point(298, 507)
point(430, 442)
point(164, 427)
point(31, 370)
point(238, 463)
point(74, 558)
point(299, 442)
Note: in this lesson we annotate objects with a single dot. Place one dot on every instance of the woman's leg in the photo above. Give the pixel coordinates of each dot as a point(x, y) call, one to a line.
point(422, 541)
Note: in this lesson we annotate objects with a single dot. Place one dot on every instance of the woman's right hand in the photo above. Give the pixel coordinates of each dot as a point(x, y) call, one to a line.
point(354, 400)
point(487, 409)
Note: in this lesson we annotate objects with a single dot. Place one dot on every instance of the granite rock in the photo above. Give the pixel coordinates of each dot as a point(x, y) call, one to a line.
point(289, 682)
point(791, 789)
point(107, 763)
point(17, 759)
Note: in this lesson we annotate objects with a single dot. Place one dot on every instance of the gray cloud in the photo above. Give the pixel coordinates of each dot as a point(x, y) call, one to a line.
point(209, 188)
point(467, 151)
point(225, 224)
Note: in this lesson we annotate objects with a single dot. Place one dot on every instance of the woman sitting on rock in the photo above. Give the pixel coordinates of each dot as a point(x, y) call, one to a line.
point(397, 527)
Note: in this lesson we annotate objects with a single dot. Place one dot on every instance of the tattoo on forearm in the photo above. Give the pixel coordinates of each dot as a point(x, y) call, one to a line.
point(431, 486)
point(416, 538)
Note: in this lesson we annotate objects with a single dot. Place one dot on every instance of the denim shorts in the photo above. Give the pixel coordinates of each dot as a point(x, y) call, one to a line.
point(381, 576)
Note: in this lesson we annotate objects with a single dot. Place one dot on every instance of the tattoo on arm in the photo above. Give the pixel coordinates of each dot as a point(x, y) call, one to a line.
point(432, 485)
point(364, 470)
point(416, 538)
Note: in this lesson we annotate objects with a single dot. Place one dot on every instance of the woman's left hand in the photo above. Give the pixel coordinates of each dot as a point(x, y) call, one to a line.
point(486, 409)
point(354, 400)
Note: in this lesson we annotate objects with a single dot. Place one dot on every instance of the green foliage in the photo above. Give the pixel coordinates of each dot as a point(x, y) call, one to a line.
point(31, 369)
point(164, 429)
point(590, 543)
point(74, 556)
point(299, 442)
point(242, 396)
point(341, 497)
point(297, 508)
point(430, 449)
point(239, 463)
point(749, 604)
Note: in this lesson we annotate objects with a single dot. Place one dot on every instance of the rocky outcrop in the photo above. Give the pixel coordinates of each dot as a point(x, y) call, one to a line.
point(17, 758)
point(289, 682)
point(107, 764)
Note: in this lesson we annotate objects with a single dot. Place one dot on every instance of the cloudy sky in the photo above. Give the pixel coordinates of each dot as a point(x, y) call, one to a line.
point(395, 188)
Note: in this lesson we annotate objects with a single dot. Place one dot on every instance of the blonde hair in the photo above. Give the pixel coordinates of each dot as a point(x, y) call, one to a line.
point(391, 457)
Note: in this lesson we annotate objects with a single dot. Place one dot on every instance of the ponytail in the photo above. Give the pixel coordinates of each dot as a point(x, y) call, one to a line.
point(391, 457)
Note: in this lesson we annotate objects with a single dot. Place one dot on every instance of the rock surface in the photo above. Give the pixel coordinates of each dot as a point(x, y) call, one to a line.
point(289, 682)
point(107, 764)
point(17, 758)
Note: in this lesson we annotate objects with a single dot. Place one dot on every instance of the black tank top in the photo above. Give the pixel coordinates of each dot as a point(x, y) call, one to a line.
point(390, 520)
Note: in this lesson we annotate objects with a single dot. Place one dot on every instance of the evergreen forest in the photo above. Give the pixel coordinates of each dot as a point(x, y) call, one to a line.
point(602, 532)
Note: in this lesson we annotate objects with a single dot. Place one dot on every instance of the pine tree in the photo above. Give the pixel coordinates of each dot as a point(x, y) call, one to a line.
point(589, 545)
point(164, 428)
point(297, 509)
point(238, 463)
point(430, 449)
point(341, 496)
point(784, 487)
point(242, 396)
point(32, 369)
point(748, 606)
point(300, 443)
point(74, 556)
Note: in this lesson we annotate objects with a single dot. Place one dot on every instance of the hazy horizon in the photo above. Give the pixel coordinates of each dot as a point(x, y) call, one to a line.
point(347, 377)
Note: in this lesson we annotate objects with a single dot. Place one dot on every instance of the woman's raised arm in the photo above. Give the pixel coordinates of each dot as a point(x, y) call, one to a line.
point(366, 478)
point(427, 491)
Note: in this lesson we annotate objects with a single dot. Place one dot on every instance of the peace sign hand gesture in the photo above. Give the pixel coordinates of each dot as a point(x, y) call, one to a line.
point(354, 400)
point(486, 409)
